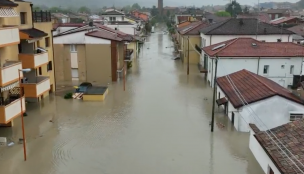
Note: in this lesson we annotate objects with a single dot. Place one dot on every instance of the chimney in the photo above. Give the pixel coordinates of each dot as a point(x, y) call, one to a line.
point(210, 21)
point(265, 30)
point(241, 21)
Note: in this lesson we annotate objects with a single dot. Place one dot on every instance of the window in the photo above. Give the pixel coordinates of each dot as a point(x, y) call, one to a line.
point(40, 71)
point(270, 171)
point(47, 41)
point(112, 18)
point(23, 17)
point(38, 43)
point(291, 69)
point(123, 18)
point(50, 66)
point(282, 66)
point(295, 116)
point(266, 69)
point(73, 48)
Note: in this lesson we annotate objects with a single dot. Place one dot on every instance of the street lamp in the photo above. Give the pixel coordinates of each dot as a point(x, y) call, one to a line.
point(21, 105)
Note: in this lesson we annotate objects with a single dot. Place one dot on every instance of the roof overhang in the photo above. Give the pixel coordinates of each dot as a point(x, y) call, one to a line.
point(8, 12)
point(32, 33)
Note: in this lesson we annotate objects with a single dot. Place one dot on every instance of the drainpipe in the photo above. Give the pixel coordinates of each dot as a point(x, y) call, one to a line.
point(258, 65)
point(53, 66)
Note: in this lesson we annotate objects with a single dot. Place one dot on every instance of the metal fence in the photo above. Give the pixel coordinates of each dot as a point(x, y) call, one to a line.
point(42, 16)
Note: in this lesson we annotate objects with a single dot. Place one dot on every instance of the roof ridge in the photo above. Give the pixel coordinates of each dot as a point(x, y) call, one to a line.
point(232, 41)
point(195, 26)
point(224, 22)
point(254, 76)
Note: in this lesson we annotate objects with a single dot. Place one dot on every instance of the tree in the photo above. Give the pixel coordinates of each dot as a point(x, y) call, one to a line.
point(154, 11)
point(222, 14)
point(36, 8)
point(168, 13)
point(127, 8)
point(56, 10)
point(136, 6)
point(84, 9)
point(246, 10)
point(234, 8)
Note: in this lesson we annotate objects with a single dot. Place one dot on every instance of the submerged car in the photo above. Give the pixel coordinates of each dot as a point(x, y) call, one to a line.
point(83, 87)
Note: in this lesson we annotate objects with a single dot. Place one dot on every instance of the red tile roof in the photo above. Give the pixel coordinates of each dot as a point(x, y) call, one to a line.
point(298, 29)
point(291, 135)
point(282, 20)
point(253, 88)
point(193, 28)
point(243, 47)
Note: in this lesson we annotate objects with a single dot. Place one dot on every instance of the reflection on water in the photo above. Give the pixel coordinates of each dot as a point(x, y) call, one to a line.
point(160, 124)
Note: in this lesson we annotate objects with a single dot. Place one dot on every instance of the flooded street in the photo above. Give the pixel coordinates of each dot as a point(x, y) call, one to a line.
point(159, 125)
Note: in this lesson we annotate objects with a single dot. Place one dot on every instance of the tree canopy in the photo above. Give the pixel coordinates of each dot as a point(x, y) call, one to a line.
point(234, 8)
point(136, 6)
point(84, 9)
point(154, 11)
point(222, 14)
point(246, 10)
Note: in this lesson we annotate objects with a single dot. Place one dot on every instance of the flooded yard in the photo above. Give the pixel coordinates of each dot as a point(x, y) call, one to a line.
point(159, 125)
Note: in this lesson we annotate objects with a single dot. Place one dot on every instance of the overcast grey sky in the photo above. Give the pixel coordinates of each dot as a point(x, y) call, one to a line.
point(146, 3)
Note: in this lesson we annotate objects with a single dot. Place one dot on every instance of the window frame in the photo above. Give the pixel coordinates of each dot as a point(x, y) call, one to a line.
point(40, 70)
point(50, 66)
point(23, 18)
point(73, 48)
point(267, 69)
point(291, 70)
point(47, 42)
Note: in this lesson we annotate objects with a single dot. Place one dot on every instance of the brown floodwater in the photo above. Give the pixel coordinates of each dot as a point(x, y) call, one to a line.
point(159, 125)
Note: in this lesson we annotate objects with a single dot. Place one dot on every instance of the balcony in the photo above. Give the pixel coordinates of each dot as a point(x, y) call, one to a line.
point(10, 109)
point(9, 36)
point(35, 87)
point(34, 60)
point(129, 55)
point(9, 72)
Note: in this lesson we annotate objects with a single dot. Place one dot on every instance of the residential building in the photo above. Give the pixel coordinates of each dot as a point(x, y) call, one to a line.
point(124, 26)
point(282, 21)
point(262, 16)
point(170, 10)
point(35, 51)
point(188, 47)
point(63, 27)
point(61, 18)
point(277, 13)
point(299, 33)
point(113, 15)
point(278, 150)
point(278, 61)
point(251, 98)
point(250, 27)
point(141, 15)
point(213, 18)
point(10, 65)
point(91, 53)
point(182, 18)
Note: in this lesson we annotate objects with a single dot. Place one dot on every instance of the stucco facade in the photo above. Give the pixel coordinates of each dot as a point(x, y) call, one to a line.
point(265, 113)
point(194, 56)
point(279, 68)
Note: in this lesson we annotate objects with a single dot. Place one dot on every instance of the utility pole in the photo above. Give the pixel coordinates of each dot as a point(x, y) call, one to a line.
point(214, 91)
point(188, 58)
point(124, 76)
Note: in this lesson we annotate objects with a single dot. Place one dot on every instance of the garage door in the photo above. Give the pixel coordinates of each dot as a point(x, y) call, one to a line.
point(74, 73)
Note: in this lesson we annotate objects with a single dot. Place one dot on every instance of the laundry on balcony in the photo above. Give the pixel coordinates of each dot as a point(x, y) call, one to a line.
point(9, 87)
point(8, 12)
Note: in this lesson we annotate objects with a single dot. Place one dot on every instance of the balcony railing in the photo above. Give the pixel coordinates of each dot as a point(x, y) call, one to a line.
point(129, 53)
point(9, 72)
point(42, 16)
point(10, 108)
point(35, 87)
point(9, 36)
point(33, 60)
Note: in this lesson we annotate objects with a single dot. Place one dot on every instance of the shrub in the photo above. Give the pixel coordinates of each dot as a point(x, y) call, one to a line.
point(68, 95)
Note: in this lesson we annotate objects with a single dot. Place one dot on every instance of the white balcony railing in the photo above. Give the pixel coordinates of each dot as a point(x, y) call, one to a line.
point(11, 110)
point(9, 36)
point(9, 72)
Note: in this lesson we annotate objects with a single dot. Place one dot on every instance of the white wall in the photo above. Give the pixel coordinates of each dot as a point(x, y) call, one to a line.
point(9, 35)
point(214, 39)
point(79, 38)
point(128, 29)
point(261, 156)
point(276, 72)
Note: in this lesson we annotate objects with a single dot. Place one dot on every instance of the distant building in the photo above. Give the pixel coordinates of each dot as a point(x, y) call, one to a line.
point(170, 10)
point(160, 6)
point(113, 15)
point(277, 13)
point(60, 18)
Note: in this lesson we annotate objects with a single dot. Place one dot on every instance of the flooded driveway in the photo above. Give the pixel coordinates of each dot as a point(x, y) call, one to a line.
point(159, 125)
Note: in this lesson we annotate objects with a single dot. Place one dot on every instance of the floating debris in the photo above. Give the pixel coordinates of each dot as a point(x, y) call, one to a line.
point(10, 144)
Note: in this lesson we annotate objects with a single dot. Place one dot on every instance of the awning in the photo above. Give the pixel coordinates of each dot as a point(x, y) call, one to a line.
point(221, 101)
point(31, 33)
point(8, 12)
point(9, 87)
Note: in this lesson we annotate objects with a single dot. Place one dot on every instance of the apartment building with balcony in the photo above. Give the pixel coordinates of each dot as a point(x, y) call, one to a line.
point(35, 51)
point(10, 98)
